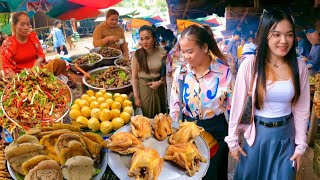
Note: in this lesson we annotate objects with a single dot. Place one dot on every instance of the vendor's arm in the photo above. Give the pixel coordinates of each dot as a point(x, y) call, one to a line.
point(99, 40)
point(301, 111)
point(135, 81)
point(174, 97)
point(7, 52)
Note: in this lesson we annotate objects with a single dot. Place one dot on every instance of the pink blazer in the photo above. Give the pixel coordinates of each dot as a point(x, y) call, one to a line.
point(300, 110)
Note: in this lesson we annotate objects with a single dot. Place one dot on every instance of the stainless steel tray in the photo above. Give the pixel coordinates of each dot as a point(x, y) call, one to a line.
point(120, 164)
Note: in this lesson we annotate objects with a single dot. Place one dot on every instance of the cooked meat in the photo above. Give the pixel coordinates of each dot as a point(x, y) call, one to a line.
point(140, 127)
point(186, 133)
point(123, 143)
point(185, 155)
point(162, 126)
point(146, 164)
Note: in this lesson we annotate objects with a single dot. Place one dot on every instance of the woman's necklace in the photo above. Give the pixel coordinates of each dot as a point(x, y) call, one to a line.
point(276, 65)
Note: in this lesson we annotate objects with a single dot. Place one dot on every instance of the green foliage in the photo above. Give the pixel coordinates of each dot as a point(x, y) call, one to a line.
point(4, 19)
point(159, 7)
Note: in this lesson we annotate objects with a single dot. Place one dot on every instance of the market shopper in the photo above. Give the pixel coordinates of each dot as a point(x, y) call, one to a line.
point(276, 137)
point(313, 59)
point(24, 50)
point(59, 42)
point(109, 34)
point(148, 74)
point(201, 92)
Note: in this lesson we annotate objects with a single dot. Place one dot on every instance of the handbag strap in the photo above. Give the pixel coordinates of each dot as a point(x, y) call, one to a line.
point(181, 84)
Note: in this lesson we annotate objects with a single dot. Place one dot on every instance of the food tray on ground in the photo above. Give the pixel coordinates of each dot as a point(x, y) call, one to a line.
point(103, 166)
point(120, 164)
point(90, 61)
point(39, 97)
point(108, 54)
point(125, 87)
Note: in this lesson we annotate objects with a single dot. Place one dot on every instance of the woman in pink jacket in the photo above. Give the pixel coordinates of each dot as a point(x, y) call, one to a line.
point(276, 138)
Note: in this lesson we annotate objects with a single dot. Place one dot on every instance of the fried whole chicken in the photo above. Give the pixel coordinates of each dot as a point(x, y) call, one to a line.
point(186, 133)
point(140, 127)
point(185, 155)
point(162, 127)
point(146, 164)
point(123, 143)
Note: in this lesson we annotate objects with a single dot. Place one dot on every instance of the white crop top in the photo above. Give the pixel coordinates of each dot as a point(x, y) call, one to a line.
point(277, 103)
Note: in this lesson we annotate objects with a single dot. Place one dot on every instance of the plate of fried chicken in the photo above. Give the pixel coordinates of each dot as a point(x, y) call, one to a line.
point(158, 149)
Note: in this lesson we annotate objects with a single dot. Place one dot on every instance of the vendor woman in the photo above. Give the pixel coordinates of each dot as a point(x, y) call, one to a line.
point(109, 34)
point(23, 50)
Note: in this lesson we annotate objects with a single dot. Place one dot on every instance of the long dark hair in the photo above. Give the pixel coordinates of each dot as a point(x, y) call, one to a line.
point(203, 37)
point(141, 54)
point(269, 20)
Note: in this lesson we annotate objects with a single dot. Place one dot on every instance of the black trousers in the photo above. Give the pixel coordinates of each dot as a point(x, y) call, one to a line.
point(218, 128)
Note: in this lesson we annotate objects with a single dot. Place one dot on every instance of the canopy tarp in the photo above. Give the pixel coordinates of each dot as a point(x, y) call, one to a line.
point(182, 24)
point(6, 29)
point(61, 9)
point(123, 13)
point(152, 18)
point(137, 23)
point(209, 20)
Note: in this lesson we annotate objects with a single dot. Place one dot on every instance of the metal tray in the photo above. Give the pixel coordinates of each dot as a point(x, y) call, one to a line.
point(103, 166)
point(126, 89)
point(107, 61)
point(85, 67)
point(58, 120)
point(120, 164)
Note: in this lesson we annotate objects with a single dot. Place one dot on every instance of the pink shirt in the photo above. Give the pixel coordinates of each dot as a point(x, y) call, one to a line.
point(300, 110)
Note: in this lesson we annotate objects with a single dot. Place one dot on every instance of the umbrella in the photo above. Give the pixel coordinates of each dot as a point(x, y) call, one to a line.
point(183, 23)
point(137, 23)
point(61, 9)
point(123, 13)
point(151, 18)
point(209, 20)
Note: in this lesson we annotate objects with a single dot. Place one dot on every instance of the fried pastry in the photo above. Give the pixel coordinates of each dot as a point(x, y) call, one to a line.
point(45, 170)
point(74, 148)
point(32, 162)
point(78, 168)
